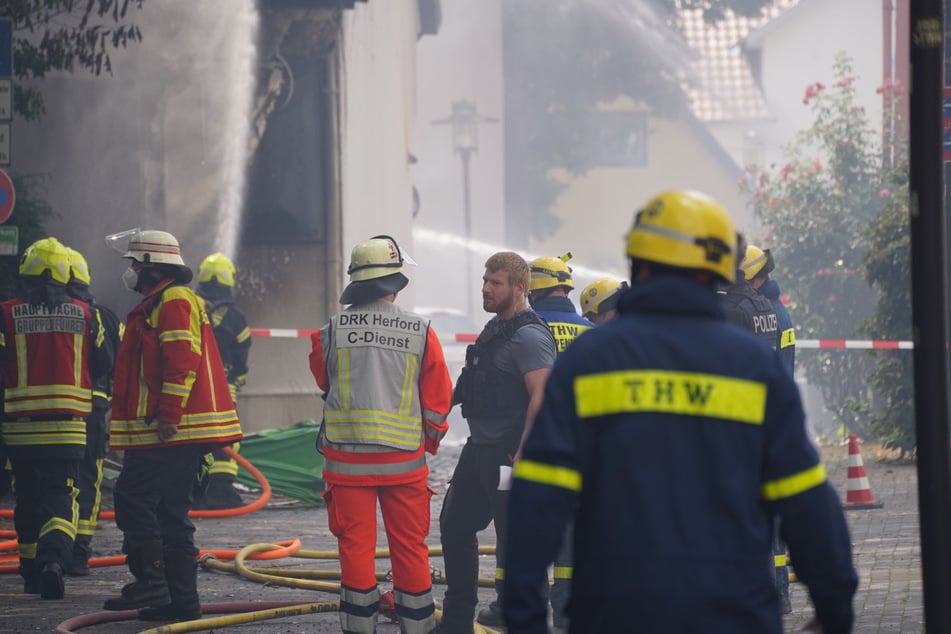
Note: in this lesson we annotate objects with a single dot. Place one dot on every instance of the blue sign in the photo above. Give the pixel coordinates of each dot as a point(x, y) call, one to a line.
point(6, 48)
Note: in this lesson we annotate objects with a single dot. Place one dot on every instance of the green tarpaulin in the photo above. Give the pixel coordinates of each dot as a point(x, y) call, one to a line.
point(287, 458)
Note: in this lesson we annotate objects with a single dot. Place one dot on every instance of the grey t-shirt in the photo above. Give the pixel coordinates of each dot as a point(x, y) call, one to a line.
point(530, 348)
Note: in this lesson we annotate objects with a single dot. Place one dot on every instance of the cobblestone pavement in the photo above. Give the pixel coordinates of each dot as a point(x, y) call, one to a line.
point(886, 546)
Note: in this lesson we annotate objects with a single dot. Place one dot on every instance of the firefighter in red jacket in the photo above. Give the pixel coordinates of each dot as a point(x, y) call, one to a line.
point(49, 359)
point(171, 405)
point(376, 429)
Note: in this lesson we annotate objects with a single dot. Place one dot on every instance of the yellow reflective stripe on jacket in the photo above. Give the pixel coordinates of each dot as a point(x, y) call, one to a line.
point(243, 336)
point(787, 338)
point(794, 484)
point(667, 392)
point(40, 391)
point(169, 336)
point(409, 378)
point(343, 376)
point(44, 432)
point(551, 475)
point(79, 358)
point(191, 428)
point(20, 398)
point(367, 426)
point(23, 372)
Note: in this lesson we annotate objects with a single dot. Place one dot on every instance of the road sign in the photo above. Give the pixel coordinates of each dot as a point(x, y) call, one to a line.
point(7, 197)
point(9, 237)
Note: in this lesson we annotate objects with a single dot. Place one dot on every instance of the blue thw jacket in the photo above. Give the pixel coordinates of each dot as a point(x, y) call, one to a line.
point(673, 439)
point(565, 323)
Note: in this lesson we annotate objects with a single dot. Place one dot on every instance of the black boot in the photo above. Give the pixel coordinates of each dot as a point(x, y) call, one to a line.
point(149, 588)
point(51, 582)
point(181, 571)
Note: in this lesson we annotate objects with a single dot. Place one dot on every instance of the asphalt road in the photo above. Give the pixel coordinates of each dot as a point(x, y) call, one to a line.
point(886, 547)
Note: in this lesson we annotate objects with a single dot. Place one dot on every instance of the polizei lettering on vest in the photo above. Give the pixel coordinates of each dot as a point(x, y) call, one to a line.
point(765, 323)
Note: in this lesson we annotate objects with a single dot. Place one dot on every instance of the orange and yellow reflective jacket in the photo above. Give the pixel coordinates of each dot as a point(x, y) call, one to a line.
point(169, 369)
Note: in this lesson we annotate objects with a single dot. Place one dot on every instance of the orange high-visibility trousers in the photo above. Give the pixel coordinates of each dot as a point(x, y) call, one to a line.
point(351, 513)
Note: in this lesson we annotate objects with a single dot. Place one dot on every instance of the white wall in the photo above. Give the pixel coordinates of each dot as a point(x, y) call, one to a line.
point(462, 62)
point(378, 101)
point(801, 50)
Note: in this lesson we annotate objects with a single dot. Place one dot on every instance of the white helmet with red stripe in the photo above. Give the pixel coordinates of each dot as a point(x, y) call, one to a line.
point(150, 246)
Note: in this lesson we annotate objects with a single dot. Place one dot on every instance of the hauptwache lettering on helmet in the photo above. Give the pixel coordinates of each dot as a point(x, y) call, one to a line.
point(356, 329)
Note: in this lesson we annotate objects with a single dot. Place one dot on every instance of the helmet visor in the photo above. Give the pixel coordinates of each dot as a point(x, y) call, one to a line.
point(119, 242)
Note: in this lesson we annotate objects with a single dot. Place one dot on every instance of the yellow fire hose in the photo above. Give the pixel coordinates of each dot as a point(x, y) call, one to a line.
point(293, 578)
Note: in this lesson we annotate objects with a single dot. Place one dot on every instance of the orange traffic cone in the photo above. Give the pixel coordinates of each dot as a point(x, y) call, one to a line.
point(859, 494)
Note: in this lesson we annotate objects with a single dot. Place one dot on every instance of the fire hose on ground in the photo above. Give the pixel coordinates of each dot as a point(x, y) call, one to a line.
point(236, 613)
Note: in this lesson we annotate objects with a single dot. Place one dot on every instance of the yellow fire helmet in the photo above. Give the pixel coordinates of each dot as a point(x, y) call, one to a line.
point(549, 272)
point(46, 255)
point(685, 229)
point(600, 296)
point(757, 260)
point(218, 267)
point(78, 267)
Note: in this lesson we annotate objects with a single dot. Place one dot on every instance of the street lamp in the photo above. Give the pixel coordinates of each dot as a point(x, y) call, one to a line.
point(465, 119)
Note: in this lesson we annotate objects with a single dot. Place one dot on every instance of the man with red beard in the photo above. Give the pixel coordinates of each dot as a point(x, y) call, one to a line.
point(500, 390)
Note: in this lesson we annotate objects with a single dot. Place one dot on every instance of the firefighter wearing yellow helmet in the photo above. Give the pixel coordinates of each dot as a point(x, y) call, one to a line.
point(550, 284)
point(89, 478)
point(651, 426)
point(549, 287)
point(599, 299)
point(387, 392)
point(216, 282)
point(51, 356)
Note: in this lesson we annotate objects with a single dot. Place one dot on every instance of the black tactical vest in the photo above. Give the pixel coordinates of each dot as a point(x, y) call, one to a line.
point(751, 311)
point(483, 389)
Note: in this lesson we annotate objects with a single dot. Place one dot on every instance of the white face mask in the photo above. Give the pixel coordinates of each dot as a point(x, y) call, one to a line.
point(130, 278)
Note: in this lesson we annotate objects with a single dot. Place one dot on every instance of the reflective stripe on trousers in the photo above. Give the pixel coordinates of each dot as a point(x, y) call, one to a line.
point(359, 609)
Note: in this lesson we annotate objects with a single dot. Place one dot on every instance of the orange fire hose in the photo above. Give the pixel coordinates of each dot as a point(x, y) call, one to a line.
point(9, 562)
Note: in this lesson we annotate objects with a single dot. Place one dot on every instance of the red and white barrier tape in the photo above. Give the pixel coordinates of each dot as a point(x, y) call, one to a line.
point(823, 344)
point(853, 344)
point(281, 333)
